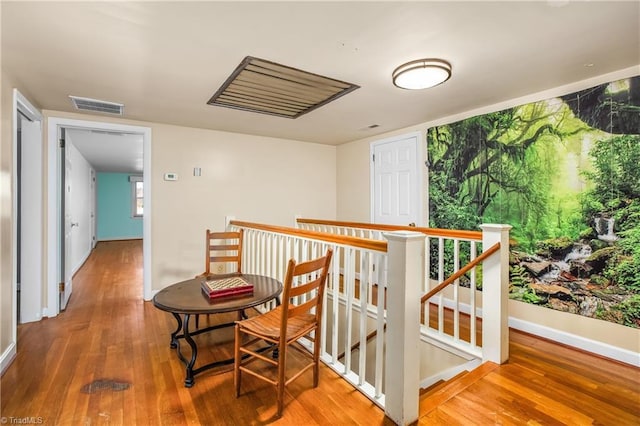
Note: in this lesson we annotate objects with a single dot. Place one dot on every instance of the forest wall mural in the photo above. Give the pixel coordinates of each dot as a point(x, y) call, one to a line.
point(565, 173)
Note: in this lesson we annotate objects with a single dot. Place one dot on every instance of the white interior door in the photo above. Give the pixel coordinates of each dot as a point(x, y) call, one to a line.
point(31, 232)
point(66, 265)
point(396, 194)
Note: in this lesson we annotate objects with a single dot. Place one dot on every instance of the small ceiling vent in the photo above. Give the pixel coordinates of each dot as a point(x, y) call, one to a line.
point(95, 105)
point(265, 87)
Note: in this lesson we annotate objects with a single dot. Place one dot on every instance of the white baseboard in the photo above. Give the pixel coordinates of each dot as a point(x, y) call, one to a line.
point(600, 348)
point(81, 263)
point(120, 238)
point(7, 358)
point(150, 296)
point(593, 346)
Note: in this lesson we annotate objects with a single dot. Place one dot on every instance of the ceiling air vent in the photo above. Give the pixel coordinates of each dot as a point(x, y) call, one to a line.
point(265, 87)
point(95, 105)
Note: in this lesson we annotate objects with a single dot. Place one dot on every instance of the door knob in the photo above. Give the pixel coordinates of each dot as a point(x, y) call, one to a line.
point(74, 224)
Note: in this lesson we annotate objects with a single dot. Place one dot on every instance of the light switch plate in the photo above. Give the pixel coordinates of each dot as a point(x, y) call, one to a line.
point(170, 176)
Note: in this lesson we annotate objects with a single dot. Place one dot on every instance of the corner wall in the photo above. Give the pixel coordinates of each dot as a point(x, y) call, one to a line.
point(6, 220)
point(251, 178)
point(353, 195)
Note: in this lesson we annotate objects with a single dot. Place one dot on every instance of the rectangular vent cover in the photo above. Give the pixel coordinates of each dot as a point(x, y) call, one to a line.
point(265, 87)
point(95, 105)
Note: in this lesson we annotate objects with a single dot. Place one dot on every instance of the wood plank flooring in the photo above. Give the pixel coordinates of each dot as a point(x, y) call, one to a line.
point(106, 361)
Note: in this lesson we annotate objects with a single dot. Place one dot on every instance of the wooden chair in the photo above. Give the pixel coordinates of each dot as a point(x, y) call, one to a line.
point(222, 249)
point(298, 316)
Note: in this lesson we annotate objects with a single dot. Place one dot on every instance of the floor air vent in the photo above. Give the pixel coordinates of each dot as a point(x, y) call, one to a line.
point(95, 105)
point(266, 87)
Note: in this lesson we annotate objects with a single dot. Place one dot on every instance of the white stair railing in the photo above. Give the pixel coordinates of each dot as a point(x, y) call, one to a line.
point(445, 251)
point(358, 292)
point(354, 306)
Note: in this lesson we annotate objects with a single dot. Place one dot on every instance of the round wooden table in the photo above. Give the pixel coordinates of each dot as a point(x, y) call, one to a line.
point(186, 298)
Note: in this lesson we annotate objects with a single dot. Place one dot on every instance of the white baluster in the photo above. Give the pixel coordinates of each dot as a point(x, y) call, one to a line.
point(362, 363)
point(440, 279)
point(380, 336)
point(349, 293)
point(456, 290)
point(472, 297)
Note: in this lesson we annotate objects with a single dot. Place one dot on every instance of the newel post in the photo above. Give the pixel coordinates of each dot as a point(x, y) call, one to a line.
point(402, 353)
point(495, 295)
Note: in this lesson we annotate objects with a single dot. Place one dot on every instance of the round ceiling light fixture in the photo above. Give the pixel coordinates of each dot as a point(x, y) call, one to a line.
point(421, 74)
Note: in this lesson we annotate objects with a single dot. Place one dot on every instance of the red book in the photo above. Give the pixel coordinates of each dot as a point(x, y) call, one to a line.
point(224, 287)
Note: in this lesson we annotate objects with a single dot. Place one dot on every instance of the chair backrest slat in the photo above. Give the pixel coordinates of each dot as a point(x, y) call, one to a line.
point(223, 247)
point(303, 308)
point(313, 289)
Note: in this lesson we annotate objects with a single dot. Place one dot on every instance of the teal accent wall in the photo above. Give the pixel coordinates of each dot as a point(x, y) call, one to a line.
point(114, 221)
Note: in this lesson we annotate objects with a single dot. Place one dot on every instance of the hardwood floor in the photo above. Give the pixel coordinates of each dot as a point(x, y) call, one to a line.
point(543, 383)
point(106, 360)
point(109, 334)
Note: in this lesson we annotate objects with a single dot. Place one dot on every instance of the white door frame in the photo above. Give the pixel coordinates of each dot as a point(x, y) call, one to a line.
point(419, 160)
point(53, 203)
point(19, 103)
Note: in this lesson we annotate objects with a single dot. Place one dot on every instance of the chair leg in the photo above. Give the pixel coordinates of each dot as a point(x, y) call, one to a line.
point(237, 359)
point(316, 359)
point(281, 379)
point(197, 320)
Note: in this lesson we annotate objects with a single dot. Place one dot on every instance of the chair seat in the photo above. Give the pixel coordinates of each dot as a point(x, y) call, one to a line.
point(268, 324)
point(299, 316)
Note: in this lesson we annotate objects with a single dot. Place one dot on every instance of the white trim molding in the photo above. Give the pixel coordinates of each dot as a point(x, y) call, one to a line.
point(7, 357)
point(21, 104)
point(53, 124)
point(579, 342)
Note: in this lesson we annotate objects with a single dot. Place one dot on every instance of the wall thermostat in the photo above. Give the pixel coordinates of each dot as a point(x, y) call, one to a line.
point(170, 176)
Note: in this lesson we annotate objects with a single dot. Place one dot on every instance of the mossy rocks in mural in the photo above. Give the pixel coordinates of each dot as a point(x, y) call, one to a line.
point(564, 173)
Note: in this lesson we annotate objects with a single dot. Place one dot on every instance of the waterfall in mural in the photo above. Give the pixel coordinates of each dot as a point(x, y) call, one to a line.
point(604, 228)
point(564, 173)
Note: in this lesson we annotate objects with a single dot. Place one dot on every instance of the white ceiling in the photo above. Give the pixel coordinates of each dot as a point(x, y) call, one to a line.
point(164, 60)
point(109, 151)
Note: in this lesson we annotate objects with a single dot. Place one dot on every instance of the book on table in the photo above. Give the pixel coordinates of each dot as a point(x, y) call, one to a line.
point(225, 287)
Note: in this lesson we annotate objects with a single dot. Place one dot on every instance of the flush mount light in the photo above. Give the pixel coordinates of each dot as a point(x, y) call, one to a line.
point(421, 74)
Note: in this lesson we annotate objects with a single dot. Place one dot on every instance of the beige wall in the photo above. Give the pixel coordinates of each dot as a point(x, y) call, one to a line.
point(252, 178)
point(353, 195)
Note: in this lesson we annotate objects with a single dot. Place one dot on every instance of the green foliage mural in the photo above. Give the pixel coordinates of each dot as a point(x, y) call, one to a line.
point(565, 173)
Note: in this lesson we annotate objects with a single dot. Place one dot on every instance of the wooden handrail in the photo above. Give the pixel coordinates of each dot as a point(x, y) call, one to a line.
point(433, 232)
point(494, 248)
point(364, 243)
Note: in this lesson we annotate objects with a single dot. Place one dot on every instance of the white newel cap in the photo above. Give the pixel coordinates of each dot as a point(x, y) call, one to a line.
point(495, 227)
point(403, 235)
